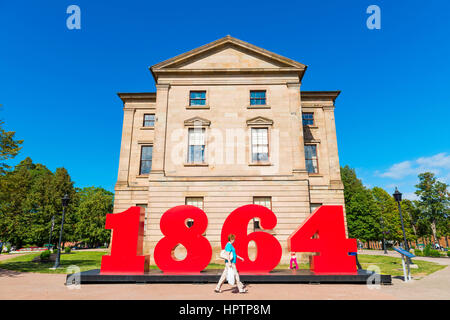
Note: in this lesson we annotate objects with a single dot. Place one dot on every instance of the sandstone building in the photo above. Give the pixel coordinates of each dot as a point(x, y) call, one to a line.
point(227, 126)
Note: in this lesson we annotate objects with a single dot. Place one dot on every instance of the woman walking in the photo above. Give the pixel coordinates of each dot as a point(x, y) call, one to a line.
point(231, 263)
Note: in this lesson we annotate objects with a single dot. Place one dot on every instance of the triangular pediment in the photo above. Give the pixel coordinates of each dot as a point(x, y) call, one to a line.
point(197, 122)
point(228, 54)
point(230, 57)
point(259, 121)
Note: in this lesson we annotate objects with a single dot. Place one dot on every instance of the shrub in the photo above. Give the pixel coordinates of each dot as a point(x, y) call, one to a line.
point(67, 250)
point(45, 255)
point(55, 250)
point(418, 252)
point(427, 250)
point(448, 253)
point(434, 253)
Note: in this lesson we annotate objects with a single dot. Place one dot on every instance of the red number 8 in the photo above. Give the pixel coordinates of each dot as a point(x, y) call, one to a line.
point(176, 232)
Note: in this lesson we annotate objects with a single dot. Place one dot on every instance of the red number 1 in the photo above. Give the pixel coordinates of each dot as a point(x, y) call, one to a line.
point(127, 240)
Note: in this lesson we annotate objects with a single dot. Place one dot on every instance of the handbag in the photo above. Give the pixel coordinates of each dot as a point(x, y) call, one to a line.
point(230, 276)
point(224, 254)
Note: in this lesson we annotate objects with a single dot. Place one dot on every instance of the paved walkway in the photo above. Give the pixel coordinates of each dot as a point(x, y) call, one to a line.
point(435, 286)
point(18, 285)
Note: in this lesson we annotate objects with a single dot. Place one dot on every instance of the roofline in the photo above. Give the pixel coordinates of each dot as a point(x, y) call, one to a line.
point(137, 96)
point(300, 68)
point(324, 95)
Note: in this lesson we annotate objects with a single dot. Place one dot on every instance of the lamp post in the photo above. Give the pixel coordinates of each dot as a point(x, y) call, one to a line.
point(398, 197)
point(65, 202)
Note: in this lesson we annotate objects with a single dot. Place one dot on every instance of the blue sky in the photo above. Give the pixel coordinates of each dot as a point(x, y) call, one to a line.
point(58, 86)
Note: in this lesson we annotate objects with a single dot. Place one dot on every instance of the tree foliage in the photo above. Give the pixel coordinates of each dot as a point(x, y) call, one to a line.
point(361, 211)
point(93, 205)
point(434, 200)
point(9, 147)
point(372, 213)
point(30, 195)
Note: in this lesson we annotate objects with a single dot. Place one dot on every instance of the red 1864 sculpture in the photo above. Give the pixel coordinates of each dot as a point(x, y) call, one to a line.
point(322, 232)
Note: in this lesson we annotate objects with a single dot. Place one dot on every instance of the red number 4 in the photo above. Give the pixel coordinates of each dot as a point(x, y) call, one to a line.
point(327, 227)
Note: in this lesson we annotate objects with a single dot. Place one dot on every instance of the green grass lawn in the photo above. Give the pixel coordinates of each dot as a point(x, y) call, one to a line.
point(87, 260)
point(84, 260)
point(393, 266)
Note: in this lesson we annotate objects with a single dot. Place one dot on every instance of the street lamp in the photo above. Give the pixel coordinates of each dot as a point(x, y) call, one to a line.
point(65, 202)
point(398, 197)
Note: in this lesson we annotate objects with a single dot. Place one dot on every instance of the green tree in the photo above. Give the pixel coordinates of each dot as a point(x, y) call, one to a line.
point(361, 211)
point(9, 147)
point(62, 184)
point(29, 196)
point(94, 204)
point(413, 218)
point(434, 201)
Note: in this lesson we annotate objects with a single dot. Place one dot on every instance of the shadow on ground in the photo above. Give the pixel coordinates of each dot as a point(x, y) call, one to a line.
point(8, 273)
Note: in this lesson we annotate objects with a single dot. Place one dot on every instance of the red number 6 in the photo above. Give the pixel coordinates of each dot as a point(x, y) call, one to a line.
point(268, 248)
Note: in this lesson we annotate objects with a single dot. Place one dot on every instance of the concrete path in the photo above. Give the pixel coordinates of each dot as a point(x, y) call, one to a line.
point(18, 285)
point(435, 286)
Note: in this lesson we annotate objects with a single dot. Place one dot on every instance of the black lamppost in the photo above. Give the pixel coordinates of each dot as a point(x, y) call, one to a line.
point(398, 197)
point(65, 202)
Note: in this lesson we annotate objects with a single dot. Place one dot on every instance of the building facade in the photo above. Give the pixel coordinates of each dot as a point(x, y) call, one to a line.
point(228, 126)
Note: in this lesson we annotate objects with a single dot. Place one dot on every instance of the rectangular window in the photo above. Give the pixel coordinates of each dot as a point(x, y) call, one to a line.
point(197, 98)
point(146, 159)
point(311, 158)
point(196, 152)
point(308, 118)
point(196, 202)
point(262, 201)
point(260, 145)
point(149, 120)
point(257, 97)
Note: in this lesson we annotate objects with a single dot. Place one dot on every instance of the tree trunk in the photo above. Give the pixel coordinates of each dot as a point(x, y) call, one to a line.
point(433, 228)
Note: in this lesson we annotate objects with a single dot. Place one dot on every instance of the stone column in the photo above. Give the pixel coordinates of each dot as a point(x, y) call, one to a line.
point(125, 150)
point(333, 157)
point(296, 131)
point(159, 143)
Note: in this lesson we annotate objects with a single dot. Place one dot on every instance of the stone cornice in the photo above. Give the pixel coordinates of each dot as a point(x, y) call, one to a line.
point(319, 95)
point(137, 96)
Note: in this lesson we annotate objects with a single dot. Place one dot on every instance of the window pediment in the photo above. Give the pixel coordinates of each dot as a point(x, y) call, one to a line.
point(259, 121)
point(197, 122)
